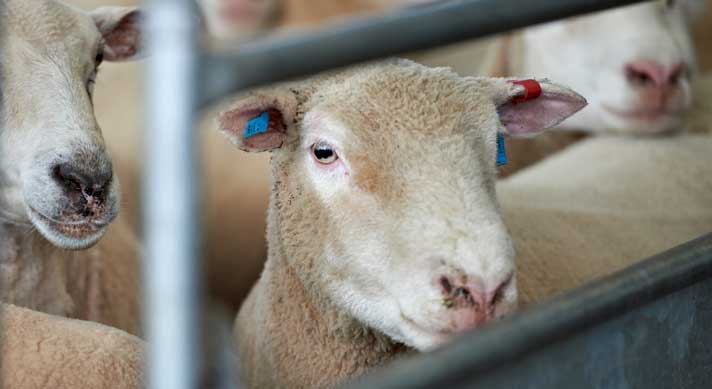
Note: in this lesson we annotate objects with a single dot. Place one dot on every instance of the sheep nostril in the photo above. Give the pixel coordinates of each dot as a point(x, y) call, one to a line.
point(639, 78)
point(446, 285)
point(64, 175)
point(652, 74)
point(677, 73)
point(461, 292)
point(498, 295)
point(83, 189)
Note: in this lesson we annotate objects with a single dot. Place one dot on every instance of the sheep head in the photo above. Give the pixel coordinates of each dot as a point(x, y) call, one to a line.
point(384, 200)
point(55, 173)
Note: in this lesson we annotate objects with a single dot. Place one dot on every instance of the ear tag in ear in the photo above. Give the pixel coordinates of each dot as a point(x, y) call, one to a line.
point(501, 151)
point(258, 125)
point(532, 90)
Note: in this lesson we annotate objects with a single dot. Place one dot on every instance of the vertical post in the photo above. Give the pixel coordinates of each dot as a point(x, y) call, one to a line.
point(171, 270)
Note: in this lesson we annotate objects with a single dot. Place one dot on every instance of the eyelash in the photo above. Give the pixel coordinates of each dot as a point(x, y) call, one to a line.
point(98, 60)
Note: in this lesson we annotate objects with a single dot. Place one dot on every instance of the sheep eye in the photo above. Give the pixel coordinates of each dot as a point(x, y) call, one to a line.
point(99, 58)
point(670, 3)
point(324, 154)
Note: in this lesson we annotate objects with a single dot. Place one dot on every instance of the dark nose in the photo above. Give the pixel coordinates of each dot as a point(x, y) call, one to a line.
point(652, 74)
point(86, 190)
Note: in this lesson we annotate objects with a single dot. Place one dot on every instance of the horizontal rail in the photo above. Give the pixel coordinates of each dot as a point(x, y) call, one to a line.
point(475, 357)
point(368, 39)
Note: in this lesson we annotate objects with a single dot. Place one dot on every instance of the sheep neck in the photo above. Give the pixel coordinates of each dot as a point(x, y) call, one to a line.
point(337, 343)
point(34, 274)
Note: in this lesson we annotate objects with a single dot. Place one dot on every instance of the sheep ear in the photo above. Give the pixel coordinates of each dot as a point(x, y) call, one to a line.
point(259, 121)
point(120, 28)
point(528, 107)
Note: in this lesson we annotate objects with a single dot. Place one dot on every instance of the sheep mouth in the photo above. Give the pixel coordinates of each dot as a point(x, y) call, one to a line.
point(72, 233)
point(430, 337)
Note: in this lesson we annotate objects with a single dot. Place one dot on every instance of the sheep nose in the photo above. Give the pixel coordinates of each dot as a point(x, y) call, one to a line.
point(469, 302)
point(82, 186)
point(652, 74)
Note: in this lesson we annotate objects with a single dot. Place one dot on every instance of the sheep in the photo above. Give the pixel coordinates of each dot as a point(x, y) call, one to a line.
point(58, 193)
point(634, 64)
point(622, 200)
point(39, 351)
point(604, 204)
point(383, 226)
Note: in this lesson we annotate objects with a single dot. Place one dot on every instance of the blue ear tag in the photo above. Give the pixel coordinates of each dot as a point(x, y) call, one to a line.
point(258, 125)
point(501, 151)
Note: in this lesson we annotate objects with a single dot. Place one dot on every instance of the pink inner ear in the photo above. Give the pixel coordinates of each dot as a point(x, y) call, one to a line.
point(235, 122)
point(123, 40)
point(533, 116)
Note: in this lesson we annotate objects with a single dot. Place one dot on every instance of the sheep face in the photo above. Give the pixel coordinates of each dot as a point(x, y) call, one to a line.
point(633, 64)
point(55, 173)
point(384, 199)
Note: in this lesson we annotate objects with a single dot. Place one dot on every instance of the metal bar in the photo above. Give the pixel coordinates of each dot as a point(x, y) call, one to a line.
point(171, 276)
point(513, 351)
point(415, 29)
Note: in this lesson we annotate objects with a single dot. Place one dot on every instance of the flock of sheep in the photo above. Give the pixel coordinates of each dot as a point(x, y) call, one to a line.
point(389, 226)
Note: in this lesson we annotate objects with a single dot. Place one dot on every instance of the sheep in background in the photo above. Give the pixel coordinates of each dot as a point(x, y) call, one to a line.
point(602, 205)
point(383, 227)
point(608, 202)
point(58, 192)
point(634, 65)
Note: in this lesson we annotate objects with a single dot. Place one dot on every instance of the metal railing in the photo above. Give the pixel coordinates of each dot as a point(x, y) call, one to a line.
point(180, 79)
point(171, 278)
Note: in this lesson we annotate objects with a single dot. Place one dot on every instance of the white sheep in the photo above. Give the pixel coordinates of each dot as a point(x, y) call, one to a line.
point(622, 200)
point(57, 189)
point(635, 65)
point(383, 227)
point(632, 63)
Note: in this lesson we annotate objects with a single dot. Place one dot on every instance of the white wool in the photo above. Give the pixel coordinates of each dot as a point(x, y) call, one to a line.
point(604, 204)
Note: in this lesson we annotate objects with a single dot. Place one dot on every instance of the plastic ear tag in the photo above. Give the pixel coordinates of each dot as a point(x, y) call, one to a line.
point(258, 125)
point(501, 151)
point(532, 90)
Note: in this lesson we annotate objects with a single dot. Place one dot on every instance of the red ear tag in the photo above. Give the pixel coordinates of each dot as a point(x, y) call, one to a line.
point(532, 90)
